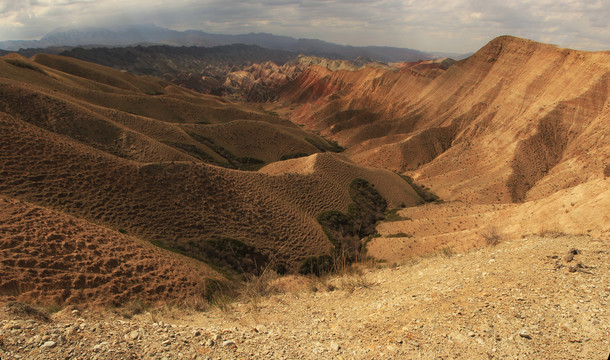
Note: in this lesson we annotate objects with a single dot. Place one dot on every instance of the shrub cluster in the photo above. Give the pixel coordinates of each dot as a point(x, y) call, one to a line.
point(345, 230)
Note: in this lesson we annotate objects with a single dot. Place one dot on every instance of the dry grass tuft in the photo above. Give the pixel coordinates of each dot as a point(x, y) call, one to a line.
point(447, 252)
point(491, 236)
point(546, 231)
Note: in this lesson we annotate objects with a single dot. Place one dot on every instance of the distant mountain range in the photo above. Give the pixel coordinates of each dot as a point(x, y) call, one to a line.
point(154, 35)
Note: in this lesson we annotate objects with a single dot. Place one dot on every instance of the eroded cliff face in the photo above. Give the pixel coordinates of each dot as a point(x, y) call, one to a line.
point(517, 121)
point(263, 82)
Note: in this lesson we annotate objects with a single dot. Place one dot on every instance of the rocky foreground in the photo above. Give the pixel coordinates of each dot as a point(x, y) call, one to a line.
point(532, 298)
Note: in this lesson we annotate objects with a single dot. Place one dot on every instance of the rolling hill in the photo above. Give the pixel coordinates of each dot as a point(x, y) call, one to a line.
point(514, 139)
point(136, 162)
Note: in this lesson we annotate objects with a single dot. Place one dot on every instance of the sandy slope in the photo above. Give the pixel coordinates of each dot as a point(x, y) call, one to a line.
point(461, 226)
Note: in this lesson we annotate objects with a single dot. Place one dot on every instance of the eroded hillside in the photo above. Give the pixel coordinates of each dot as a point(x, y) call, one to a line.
point(166, 166)
point(516, 121)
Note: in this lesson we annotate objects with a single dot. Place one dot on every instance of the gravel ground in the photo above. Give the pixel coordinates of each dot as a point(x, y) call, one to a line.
point(544, 298)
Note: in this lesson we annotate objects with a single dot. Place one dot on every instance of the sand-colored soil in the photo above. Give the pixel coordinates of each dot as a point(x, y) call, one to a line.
point(458, 226)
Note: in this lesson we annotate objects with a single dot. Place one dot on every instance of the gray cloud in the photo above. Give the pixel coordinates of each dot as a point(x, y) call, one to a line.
point(433, 25)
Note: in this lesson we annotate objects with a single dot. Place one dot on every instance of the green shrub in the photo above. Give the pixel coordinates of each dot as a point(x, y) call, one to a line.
point(345, 231)
point(392, 215)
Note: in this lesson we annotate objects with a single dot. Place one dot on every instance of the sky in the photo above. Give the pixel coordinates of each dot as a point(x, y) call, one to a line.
point(458, 26)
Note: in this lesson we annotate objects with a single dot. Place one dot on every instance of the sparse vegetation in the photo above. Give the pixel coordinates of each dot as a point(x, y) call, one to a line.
point(447, 252)
point(233, 162)
point(546, 231)
point(219, 294)
point(335, 147)
point(229, 256)
point(27, 311)
point(25, 65)
point(392, 215)
point(317, 265)
point(607, 170)
point(423, 192)
point(332, 145)
point(350, 283)
point(399, 235)
point(193, 151)
point(132, 308)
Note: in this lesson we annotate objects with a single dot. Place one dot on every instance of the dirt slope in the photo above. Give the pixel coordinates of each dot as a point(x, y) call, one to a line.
point(52, 258)
point(543, 298)
point(518, 120)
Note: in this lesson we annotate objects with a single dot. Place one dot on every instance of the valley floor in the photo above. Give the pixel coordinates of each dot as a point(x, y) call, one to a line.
point(531, 298)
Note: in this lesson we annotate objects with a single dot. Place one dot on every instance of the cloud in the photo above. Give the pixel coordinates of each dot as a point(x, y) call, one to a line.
point(433, 25)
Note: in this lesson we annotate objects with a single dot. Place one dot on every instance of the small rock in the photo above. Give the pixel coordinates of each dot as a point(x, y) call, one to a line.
point(334, 346)
point(10, 326)
point(49, 344)
point(166, 342)
point(196, 333)
point(100, 346)
point(209, 343)
point(414, 343)
point(34, 339)
point(228, 343)
point(70, 330)
point(217, 337)
point(471, 334)
point(134, 335)
point(524, 334)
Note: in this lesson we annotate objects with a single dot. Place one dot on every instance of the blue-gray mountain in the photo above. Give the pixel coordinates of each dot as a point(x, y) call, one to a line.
point(150, 34)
